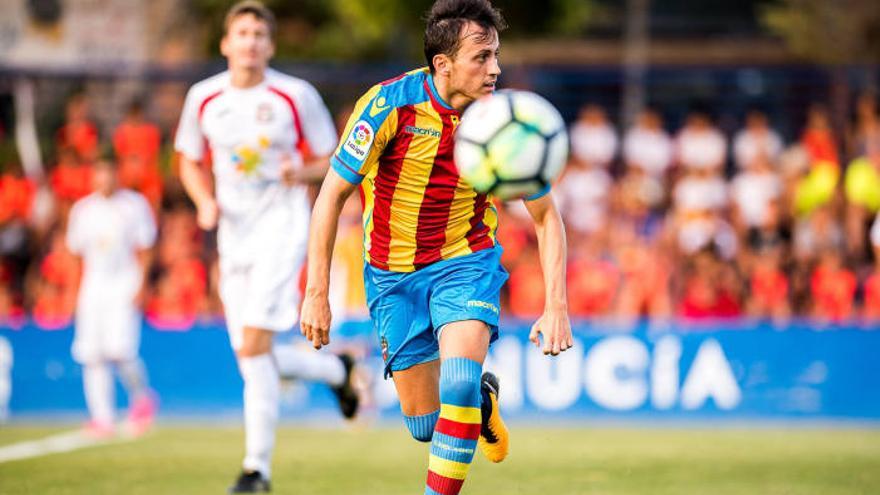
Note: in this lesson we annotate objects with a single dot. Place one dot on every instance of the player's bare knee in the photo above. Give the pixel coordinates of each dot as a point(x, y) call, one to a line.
point(255, 342)
point(254, 348)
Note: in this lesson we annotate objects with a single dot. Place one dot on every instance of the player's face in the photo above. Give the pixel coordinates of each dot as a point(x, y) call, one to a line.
point(247, 43)
point(104, 180)
point(475, 68)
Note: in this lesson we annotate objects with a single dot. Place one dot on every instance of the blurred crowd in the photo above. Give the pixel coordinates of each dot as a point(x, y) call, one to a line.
point(686, 224)
point(698, 224)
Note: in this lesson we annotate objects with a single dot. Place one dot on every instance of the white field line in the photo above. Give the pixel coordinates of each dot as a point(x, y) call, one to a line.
point(62, 442)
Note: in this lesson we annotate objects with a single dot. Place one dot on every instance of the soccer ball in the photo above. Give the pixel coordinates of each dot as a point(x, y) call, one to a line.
point(511, 144)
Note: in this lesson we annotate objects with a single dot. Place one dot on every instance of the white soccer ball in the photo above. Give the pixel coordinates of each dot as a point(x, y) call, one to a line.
point(511, 144)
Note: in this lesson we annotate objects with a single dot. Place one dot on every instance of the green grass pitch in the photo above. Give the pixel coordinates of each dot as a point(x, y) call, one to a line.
point(177, 459)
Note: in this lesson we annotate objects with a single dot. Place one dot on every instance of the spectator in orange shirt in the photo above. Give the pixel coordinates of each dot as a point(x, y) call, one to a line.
point(833, 287)
point(11, 310)
point(78, 133)
point(16, 197)
point(179, 295)
point(70, 180)
point(181, 286)
point(53, 309)
point(768, 297)
point(644, 283)
point(513, 235)
point(59, 266)
point(136, 143)
point(872, 285)
point(592, 281)
point(818, 138)
point(705, 293)
point(55, 294)
point(526, 285)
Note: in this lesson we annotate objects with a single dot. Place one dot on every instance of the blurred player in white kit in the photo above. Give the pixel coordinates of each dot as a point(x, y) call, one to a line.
point(268, 134)
point(112, 231)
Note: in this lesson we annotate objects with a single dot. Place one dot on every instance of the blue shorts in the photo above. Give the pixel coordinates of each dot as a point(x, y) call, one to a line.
point(409, 309)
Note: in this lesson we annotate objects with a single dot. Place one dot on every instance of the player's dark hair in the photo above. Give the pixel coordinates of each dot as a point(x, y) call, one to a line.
point(446, 19)
point(253, 7)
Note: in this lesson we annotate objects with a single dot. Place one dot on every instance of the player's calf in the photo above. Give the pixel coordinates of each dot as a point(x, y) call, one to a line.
point(458, 427)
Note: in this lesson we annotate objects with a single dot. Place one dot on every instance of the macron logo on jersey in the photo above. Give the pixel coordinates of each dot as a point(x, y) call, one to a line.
point(379, 106)
point(421, 131)
point(360, 139)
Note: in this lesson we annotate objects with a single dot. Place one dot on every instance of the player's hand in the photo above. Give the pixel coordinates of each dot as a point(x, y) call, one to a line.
point(207, 213)
point(140, 298)
point(289, 167)
point(314, 321)
point(556, 330)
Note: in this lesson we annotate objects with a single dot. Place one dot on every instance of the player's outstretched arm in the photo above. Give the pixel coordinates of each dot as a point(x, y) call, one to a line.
point(553, 324)
point(315, 318)
point(312, 171)
point(198, 186)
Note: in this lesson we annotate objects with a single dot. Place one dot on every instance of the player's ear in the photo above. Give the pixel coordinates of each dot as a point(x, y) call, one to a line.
point(442, 64)
point(224, 46)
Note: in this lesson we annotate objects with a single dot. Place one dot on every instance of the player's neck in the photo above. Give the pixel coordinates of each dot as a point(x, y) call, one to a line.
point(243, 78)
point(452, 98)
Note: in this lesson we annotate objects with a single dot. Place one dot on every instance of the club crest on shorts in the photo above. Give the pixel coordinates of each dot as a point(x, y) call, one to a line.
point(384, 349)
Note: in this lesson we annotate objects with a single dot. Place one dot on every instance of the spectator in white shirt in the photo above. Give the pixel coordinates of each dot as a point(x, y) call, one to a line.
point(757, 141)
point(700, 145)
point(647, 146)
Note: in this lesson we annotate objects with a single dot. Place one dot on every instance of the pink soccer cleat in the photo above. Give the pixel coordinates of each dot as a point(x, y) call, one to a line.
point(99, 430)
point(142, 413)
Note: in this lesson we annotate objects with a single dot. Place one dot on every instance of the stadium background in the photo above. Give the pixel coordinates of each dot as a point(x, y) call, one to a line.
point(755, 320)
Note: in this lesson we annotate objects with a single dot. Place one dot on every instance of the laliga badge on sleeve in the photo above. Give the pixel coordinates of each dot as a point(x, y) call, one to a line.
point(359, 141)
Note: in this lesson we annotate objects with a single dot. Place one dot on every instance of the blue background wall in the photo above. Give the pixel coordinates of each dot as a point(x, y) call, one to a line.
point(735, 370)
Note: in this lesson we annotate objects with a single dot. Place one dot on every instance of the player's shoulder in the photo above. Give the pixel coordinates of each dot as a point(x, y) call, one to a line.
point(209, 86)
point(83, 205)
point(290, 85)
point(405, 89)
point(132, 197)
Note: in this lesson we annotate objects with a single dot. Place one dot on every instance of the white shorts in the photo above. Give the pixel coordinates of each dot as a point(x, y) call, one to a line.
point(106, 333)
point(263, 294)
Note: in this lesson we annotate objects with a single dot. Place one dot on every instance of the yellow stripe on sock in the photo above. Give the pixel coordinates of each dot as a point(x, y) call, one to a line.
point(469, 415)
point(447, 468)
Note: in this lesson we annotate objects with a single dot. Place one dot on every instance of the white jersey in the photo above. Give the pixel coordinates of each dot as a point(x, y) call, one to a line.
point(108, 232)
point(875, 232)
point(749, 145)
point(249, 133)
point(593, 144)
point(701, 149)
point(650, 150)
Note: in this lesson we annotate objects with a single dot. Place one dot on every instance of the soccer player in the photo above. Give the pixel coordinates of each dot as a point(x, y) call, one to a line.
point(112, 231)
point(433, 271)
point(269, 134)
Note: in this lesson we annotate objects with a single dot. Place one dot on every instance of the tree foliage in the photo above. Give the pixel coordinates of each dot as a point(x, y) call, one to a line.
point(828, 31)
point(384, 29)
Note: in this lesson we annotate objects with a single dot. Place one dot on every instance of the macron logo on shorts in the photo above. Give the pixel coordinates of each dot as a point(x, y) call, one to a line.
point(483, 304)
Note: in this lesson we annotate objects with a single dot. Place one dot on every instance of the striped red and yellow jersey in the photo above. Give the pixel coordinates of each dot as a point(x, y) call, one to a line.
point(399, 147)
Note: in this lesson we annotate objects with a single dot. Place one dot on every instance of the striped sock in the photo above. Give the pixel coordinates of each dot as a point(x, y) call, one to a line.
point(457, 430)
point(422, 427)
